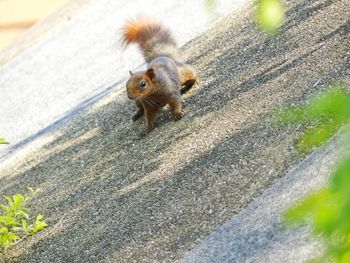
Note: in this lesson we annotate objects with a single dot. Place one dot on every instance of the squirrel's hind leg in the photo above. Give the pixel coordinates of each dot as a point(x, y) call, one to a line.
point(188, 78)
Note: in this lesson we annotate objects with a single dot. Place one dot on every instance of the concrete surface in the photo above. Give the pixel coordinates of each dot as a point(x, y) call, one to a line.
point(257, 233)
point(111, 197)
point(81, 61)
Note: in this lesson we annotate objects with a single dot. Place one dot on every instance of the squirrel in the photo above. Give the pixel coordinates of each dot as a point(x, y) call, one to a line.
point(166, 76)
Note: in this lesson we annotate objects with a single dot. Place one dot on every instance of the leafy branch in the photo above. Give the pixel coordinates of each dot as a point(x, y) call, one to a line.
point(328, 209)
point(15, 219)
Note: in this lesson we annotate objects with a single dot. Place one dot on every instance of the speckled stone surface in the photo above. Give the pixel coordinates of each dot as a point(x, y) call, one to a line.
point(109, 196)
point(258, 233)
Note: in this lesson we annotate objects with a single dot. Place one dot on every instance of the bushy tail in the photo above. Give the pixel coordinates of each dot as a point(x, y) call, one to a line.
point(152, 37)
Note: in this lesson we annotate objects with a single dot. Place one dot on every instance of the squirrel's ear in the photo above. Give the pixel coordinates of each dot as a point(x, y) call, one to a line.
point(130, 72)
point(151, 74)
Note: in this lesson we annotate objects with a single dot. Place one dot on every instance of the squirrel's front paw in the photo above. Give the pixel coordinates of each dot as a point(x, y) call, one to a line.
point(137, 115)
point(178, 116)
point(146, 131)
point(143, 133)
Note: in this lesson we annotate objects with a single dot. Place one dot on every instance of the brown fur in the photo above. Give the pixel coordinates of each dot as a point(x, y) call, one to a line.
point(166, 77)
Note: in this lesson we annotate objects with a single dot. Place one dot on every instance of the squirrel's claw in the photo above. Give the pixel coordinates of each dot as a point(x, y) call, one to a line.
point(178, 116)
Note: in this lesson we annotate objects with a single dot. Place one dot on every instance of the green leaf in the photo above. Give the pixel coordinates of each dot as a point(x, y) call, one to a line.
point(269, 15)
point(341, 179)
point(34, 191)
point(3, 141)
point(15, 219)
point(317, 135)
point(9, 221)
point(39, 226)
point(325, 219)
point(334, 103)
point(28, 229)
point(303, 210)
point(9, 200)
point(24, 224)
point(210, 5)
point(22, 214)
point(7, 239)
point(3, 230)
point(345, 258)
point(12, 236)
point(4, 208)
point(321, 117)
point(328, 211)
point(18, 199)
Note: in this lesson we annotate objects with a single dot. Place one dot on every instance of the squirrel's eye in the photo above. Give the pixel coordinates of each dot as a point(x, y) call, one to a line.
point(142, 83)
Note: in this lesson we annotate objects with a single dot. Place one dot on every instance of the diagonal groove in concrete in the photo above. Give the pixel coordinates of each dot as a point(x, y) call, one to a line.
point(206, 168)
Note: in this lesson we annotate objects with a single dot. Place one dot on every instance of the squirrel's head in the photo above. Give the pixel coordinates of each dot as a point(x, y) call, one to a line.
point(140, 84)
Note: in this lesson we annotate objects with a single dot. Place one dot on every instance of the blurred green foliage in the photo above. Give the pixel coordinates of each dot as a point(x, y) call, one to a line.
point(269, 15)
point(3, 141)
point(328, 209)
point(15, 218)
point(210, 5)
point(322, 116)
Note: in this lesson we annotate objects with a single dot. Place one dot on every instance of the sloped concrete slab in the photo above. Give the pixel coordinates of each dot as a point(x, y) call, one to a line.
point(109, 196)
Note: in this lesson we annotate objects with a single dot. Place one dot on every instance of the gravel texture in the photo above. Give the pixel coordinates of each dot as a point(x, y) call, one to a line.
point(78, 61)
point(111, 197)
point(257, 233)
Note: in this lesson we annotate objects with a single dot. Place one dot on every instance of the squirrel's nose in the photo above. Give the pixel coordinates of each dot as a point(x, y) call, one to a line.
point(130, 96)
